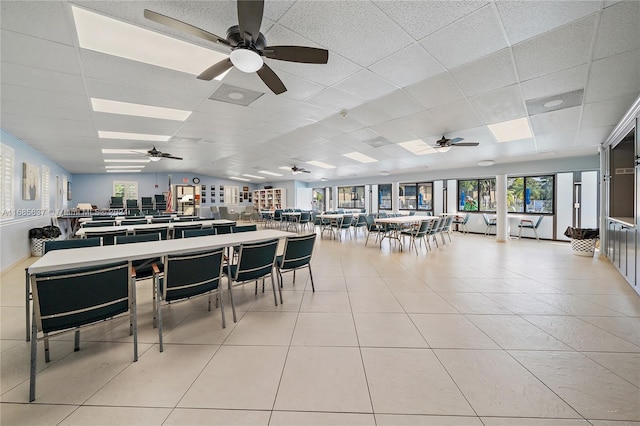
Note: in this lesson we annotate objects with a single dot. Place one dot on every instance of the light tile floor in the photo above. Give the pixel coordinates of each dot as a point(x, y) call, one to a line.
point(473, 333)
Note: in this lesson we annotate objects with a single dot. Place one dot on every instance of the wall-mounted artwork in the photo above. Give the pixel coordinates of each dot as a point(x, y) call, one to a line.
point(30, 181)
point(204, 201)
point(68, 190)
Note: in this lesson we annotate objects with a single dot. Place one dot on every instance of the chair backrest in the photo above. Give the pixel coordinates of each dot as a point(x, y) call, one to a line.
point(486, 218)
point(107, 237)
point(133, 222)
point(132, 204)
point(162, 230)
point(248, 209)
point(277, 215)
point(244, 228)
point(147, 203)
point(223, 229)
point(297, 251)
point(102, 217)
point(224, 212)
point(423, 229)
point(346, 221)
point(98, 223)
point(305, 217)
point(382, 215)
point(161, 220)
point(448, 222)
point(412, 213)
point(116, 202)
point(190, 274)
point(466, 218)
point(188, 233)
point(538, 222)
point(436, 225)
point(142, 238)
point(370, 221)
point(71, 298)
point(178, 232)
point(255, 260)
point(69, 244)
point(362, 220)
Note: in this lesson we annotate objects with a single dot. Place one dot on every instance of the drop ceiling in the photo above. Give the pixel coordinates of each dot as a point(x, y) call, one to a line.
point(398, 71)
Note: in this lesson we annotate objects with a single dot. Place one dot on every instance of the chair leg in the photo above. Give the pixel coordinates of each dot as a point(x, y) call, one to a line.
point(219, 296)
point(233, 307)
point(273, 285)
point(27, 304)
point(535, 231)
point(76, 340)
point(47, 357)
point(311, 276)
point(159, 311)
point(34, 358)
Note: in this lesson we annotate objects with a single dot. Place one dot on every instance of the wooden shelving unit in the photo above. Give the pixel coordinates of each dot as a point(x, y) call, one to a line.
point(269, 199)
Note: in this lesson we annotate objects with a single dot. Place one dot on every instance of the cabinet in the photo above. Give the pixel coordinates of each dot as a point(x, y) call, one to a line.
point(269, 199)
point(622, 249)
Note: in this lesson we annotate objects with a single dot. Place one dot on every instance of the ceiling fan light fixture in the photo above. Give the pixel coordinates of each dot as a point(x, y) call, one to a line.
point(486, 163)
point(246, 60)
point(442, 148)
point(155, 158)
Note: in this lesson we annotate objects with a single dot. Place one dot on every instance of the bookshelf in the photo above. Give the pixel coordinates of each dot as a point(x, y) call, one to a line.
point(269, 199)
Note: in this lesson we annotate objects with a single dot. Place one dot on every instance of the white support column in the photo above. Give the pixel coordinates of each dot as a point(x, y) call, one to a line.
point(395, 196)
point(502, 218)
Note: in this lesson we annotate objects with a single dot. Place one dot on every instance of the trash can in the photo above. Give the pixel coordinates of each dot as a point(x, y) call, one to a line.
point(39, 236)
point(583, 240)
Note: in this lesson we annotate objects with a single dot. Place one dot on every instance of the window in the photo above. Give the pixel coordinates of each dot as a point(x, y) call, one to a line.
point(477, 195)
point(6, 181)
point(126, 190)
point(318, 199)
point(531, 194)
point(46, 196)
point(351, 197)
point(231, 194)
point(384, 197)
point(407, 196)
point(425, 196)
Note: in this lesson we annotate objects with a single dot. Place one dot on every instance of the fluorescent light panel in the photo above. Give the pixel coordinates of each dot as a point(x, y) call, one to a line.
point(266, 172)
point(417, 147)
point(123, 167)
point(321, 164)
point(120, 160)
point(132, 136)
point(252, 176)
point(138, 110)
point(284, 168)
point(239, 178)
point(149, 47)
point(124, 171)
point(360, 157)
point(512, 130)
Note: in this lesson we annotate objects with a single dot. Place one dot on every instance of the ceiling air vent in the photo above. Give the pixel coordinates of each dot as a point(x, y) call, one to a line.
point(377, 142)
point(235, 95)
point(555, 102)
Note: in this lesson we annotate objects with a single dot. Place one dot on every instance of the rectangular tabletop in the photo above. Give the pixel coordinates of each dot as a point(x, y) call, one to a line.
point(82, 231)
point(58, 260)
point(405, 219)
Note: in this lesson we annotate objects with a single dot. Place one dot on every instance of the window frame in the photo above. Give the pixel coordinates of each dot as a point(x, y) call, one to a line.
point(553, 194)
point(125, 183)
point(380, 207)
point(350, 190)
point(7, 167)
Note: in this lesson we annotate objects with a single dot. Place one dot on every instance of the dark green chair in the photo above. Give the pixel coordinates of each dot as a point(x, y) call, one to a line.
point(418, 233)
point(162, 230)
point(372, 226)
point(133, 222)
point(255, 261)
point(188, 233)
point(297, 254)
point(98, 223)
point(178, 231)
point(143, 266)
point(528, 224)
point(186, 276)
point(223, 229)
point(65, 301)
point(107, 237)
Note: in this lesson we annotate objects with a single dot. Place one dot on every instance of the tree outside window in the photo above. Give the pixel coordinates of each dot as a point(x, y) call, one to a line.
point(468, 195)
point(538, 194)
point(515, 194)
point(126, 190)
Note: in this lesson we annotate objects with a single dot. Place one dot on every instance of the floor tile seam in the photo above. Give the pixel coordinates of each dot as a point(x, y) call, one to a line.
point(544, 384)
point(608, 369)
point(286, 357)
point(587, 323)
point(609, 331)
point(364, 369)
point(581, 296)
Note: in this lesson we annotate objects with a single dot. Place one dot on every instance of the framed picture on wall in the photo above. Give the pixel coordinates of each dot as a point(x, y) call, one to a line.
point(245, 188)
point(68, 190)
point(240, 199)
point(221, 188)
point(203, 188)
point(30, 181)
point(204, 201)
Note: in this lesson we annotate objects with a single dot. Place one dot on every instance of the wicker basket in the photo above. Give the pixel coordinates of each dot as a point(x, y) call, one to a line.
point(584, 247)
point(37, 245)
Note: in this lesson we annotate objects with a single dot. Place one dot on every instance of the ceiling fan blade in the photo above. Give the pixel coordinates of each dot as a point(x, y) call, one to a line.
point(183, 26)
point(172, 157)
point(271, 79)
point(466, 144)
point(250, 18)
point(305, 171)
point(215, 70)
point(454, 140)
point(307, 55)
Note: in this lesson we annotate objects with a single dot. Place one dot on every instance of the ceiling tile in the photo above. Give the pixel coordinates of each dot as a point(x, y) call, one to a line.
point(489, 73)
point(320, 130)
point(44, 97)
point(435, 91)
point(467, 39)
point(558, 82)
point(526, 19)
point(421, 18)
point(408, 66)
point(619, 29)
point(555, 141)
point(130, 124)
point(38, 53)
point(309, 111)
point(564, 120)
point(297, 88)
point(393, 131)
point(456, 116)
point(344, 124)
point(332, 24)
point(368, 115)
point(500, 105)
point(38, 78)
point(366, 85)
point(614, 76)
point(593, 136)
point(605, 113)
point(397, 104)
point(562, 48)
point(421, 124)
point(334, 100)
point(41, 19)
